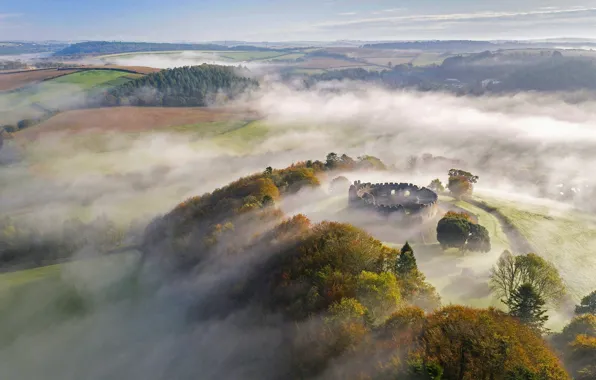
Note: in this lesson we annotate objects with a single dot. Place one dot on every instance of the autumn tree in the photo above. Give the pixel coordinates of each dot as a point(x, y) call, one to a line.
point(461, 183)
point(485, 344)
point(577, 342)
point(511, 272)
point(587, 305)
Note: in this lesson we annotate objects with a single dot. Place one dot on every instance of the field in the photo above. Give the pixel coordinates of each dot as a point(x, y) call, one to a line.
point(57, 93)
point(14, 80)
point(134, 119)
point(563, 236)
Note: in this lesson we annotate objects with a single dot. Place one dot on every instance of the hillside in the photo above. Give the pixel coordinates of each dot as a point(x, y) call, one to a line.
point(183, 86)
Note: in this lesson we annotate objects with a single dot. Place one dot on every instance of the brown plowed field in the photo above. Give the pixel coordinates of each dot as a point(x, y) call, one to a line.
point(131, 119)
point(12, 81)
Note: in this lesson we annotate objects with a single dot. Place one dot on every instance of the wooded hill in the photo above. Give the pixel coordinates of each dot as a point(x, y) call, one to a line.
point(179, 87)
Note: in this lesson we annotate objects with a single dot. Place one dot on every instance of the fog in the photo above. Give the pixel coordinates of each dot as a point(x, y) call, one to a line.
point(183, 58)
point(521, 146)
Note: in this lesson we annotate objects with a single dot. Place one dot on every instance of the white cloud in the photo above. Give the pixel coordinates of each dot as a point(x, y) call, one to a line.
point(348, 14)
point(454, 17)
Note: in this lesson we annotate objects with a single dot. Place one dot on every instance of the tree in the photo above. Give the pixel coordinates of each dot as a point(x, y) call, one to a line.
point(461, 182)
point(457, 230)
point(459, 186)
point(331, 161)
point(528, 306)
point(587, 305)
point(406, 262)
point(479, 239)
point(513, 271)
point(437, 186)
point(452, 232)
point(268, 171)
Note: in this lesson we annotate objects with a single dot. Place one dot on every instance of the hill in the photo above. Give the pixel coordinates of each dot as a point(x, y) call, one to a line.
point(13, 80)
point(106, 47)
point(183, 86)
point(37, 101)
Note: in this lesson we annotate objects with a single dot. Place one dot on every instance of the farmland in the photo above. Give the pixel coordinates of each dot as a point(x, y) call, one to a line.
point(134, 119)
point(63, 91)
point(14, 80)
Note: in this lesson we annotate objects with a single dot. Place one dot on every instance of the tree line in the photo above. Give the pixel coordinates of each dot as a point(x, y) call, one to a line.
point(180, 87)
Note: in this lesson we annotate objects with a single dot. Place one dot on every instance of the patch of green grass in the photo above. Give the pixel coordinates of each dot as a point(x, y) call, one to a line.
point(58, 92)
point(287, 57)
point(427, 59)
point(565, 237)
point(92, 78)
point(210, 129)
point(243, 139)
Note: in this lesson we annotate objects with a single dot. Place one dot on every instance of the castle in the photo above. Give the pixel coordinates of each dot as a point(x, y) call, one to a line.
point(403, 201)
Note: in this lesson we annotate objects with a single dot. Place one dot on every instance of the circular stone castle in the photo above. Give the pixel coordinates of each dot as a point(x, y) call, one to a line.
point(402, 200)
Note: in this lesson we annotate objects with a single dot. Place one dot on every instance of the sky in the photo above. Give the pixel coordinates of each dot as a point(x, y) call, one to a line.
point(294, 20)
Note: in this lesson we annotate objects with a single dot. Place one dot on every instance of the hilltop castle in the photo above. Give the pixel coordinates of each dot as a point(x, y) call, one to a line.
point(403, 201)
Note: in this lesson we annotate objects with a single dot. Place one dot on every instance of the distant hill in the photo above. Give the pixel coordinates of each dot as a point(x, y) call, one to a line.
point(107, 47)
point(180, 87)
point(502, 71)
point(435, 45)
point(17, 47)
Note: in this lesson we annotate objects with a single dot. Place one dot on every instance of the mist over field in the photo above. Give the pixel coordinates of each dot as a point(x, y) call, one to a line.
point(522, 146)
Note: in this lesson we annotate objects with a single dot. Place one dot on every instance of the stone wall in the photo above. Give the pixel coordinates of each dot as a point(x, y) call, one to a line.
point(403, 201)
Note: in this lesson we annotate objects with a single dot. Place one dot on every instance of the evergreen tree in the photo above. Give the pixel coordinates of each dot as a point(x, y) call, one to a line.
point(406, 262)
point(527, 305)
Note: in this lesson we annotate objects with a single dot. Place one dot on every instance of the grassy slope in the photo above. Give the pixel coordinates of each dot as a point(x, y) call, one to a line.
point(567, 238)
point(58, 92)
point(37, 299)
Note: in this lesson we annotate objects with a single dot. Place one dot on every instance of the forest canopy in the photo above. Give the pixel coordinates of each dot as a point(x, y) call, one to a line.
point(179, 87)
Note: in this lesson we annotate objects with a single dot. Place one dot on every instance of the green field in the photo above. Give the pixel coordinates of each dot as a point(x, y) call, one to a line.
point(95, 78)
point(563, 236)
point(57, 93)
point(427, 59)
point(36, 299)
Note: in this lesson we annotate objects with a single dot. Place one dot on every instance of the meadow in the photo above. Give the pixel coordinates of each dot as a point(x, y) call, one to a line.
point(562, 235)
point(56, 93)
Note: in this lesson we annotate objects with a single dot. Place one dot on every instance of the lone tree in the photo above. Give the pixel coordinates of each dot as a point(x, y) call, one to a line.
point(511, 272)
point(437, 186)
point(587, 305)
point(406, 262)
point(457, 230)
point(461, 183)
point(528, 306)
